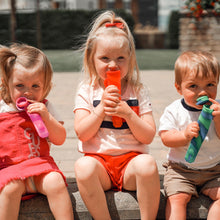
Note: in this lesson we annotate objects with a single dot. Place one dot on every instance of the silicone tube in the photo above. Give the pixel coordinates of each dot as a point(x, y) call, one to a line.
point(114, 78)
point(22, 104)
point(204, 121)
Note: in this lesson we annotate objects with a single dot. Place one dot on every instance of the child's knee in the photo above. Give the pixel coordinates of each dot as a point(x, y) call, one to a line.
point(13, 188)
point(148, 162)
point(50, 182)
point(56, 177)
point(179, 199)
point(85, 167)
point(213, 193)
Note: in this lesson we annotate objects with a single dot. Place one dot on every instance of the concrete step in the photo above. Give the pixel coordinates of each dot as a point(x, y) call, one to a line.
point(122, 205)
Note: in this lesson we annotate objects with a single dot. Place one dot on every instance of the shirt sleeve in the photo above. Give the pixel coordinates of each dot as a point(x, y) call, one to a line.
point(82, 99)
point(167, 120)
point(53, 111)
point(144, 101)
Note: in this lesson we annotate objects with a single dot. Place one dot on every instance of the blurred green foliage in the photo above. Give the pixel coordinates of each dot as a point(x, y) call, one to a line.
point(61, 29)
point(173, 30)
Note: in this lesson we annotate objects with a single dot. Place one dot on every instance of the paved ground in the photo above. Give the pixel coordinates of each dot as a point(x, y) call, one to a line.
point(162, 91)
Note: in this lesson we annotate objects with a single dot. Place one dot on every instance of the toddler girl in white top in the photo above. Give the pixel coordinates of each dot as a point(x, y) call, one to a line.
point(114, 157)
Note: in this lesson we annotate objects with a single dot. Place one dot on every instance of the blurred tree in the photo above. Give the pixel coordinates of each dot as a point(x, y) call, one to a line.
point(39, 41)
point(13, 19)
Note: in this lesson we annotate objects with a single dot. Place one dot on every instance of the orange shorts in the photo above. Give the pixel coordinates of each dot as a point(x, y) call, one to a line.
point(115, 166)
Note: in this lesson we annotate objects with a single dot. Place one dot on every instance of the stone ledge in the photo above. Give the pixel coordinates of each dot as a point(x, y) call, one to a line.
point(122, 205)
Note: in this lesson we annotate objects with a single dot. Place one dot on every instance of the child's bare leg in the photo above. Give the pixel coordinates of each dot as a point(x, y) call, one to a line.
point(214, 210)
point(176, 206)
point(93, 180)
point(10, 199)
point(53, 186)
point(141, 174)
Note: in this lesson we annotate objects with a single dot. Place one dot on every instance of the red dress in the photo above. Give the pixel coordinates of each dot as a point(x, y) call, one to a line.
point(22, 152)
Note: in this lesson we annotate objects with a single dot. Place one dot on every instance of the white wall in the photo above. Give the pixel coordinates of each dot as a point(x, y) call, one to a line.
point(165, 8)
point(82, 4)
point(20, 4)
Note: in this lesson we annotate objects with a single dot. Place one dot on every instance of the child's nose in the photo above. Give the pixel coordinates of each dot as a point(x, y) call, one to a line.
point(27, 94)
point(112, 66)
point(202, 92)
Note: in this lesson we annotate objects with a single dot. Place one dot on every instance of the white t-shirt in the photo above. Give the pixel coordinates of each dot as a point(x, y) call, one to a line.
point(108, 140)
point(177, 116)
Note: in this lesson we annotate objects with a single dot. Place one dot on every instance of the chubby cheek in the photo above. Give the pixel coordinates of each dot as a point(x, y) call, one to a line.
point(213, 94)
point(190, 98)
point(123, 74)
point(125, 70)
point(14, 94)
point(189, 101)
point(101, 72)
point(42, 97)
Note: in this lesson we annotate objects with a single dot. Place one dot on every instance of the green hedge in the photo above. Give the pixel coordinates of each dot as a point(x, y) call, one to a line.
point(60, 29)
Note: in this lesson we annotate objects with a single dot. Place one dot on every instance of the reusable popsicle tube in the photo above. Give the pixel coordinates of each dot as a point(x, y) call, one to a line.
point(114, 78)
point(204, 121)
point(22, 104)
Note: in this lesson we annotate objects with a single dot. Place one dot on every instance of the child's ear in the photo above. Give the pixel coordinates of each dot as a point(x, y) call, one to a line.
point(178, 88)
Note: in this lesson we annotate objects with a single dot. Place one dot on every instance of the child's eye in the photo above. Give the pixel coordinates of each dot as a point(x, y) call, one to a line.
point(192, 86)
point(104, 58)
point(210, 85)
point(35, 86)
point(19, 85)
point(121, 58)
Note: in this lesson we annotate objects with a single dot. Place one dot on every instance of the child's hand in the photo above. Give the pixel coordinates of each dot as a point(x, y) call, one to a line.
point(121, 109)
point(111, 96)
point(216, 115)
point(216, 107)
point(113, 106)
point(38, 107)
point(57, 133)
point(192, 130)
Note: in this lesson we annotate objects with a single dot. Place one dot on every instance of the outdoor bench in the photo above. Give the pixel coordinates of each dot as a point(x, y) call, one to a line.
point(122, 205)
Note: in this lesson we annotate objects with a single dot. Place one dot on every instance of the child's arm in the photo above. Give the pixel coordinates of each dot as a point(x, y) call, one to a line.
point(86, 123)
point(216, 115)
point(143, 128)
point(57, 133)
point(175, 138)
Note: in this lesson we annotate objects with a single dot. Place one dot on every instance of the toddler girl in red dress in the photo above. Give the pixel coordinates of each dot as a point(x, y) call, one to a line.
point(25, 163)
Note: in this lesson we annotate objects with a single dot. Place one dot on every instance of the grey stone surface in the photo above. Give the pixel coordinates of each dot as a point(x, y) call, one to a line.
point(122, 206)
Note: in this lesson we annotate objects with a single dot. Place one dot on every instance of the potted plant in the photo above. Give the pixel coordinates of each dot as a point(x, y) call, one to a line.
point(199, 26)
point(199, 8)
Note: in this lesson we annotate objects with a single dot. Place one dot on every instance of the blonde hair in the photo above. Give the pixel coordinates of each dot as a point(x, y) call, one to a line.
point(98, 28)
point(30, 58)
point(197, 62)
